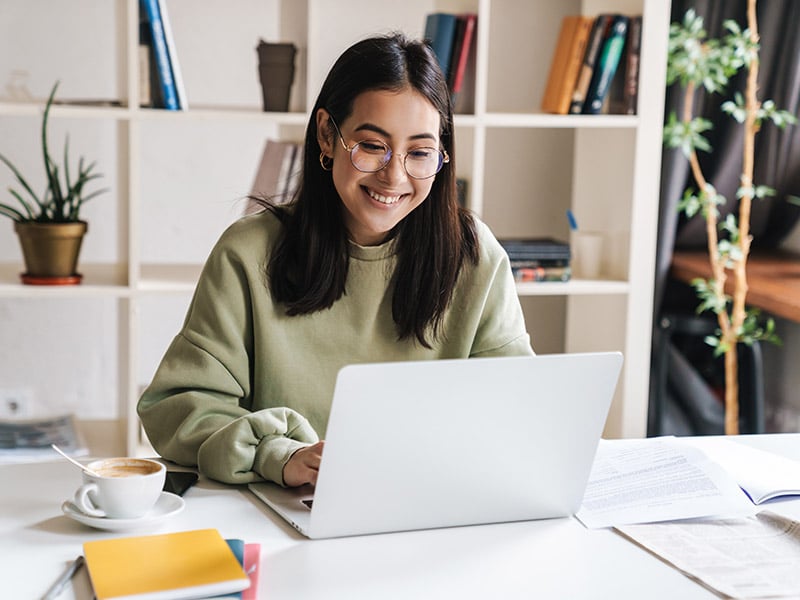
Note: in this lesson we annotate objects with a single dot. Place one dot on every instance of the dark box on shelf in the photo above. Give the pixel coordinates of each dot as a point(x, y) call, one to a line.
point(276, 72)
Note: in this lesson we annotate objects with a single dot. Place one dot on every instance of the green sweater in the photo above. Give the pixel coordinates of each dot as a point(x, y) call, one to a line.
point(243, 385)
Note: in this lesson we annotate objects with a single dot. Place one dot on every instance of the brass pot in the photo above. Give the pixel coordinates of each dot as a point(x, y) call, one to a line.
point(51, 250)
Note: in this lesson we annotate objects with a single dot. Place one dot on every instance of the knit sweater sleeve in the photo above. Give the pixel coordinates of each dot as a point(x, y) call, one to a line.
point(500, 325)
point(196, 409)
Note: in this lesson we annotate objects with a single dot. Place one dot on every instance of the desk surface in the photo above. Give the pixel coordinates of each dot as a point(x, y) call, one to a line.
point(557, 558)
point(773, 280)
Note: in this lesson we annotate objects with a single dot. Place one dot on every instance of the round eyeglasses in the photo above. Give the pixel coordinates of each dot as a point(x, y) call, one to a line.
point(370, 156)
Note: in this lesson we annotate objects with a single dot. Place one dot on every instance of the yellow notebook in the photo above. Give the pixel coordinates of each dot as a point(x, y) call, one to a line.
point(170, 566)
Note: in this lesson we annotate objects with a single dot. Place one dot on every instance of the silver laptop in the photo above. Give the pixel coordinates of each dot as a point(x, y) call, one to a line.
point(442, 443)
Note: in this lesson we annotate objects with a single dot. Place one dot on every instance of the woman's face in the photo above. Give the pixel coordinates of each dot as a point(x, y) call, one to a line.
point(374, 203)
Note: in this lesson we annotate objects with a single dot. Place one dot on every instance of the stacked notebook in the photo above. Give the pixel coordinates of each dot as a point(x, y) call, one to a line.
point(538, 259)
point(170, 566)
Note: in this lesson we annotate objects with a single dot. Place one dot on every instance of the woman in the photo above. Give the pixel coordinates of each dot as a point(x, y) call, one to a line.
point(372, 261)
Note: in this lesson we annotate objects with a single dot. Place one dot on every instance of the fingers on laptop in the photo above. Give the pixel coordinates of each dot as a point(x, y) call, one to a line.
point(303, 466)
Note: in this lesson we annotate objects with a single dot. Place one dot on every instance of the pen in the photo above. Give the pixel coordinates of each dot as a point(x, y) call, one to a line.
point(59, 584)
point(573, 223)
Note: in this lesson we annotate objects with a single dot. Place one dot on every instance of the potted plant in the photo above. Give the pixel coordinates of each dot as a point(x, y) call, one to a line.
point(49, 226)
point(695, 61)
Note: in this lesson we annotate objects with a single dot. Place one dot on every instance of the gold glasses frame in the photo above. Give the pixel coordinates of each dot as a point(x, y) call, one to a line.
point(387, 158)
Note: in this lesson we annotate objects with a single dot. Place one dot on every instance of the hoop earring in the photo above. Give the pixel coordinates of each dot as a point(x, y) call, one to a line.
point(326, 162)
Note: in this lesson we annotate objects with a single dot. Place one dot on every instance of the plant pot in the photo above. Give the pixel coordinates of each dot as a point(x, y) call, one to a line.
point(50, 251)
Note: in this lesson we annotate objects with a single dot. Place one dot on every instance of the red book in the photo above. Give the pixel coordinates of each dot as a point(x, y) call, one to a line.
point(467, 22)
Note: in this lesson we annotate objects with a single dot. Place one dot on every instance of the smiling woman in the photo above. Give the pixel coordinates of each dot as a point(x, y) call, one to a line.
point(372, 260)
point(374, 184)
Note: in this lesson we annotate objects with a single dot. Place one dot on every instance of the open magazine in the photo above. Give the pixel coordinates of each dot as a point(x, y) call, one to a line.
point(29, 440)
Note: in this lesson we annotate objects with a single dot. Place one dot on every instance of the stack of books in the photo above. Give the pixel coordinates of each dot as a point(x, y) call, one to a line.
point(182, 564)
point(595, 66)
point(538, 259)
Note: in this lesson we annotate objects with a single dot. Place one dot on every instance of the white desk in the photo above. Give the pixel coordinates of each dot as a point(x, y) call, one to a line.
point(545, 559)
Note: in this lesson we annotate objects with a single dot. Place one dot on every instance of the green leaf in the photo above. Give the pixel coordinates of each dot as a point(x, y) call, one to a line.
point(20, 178)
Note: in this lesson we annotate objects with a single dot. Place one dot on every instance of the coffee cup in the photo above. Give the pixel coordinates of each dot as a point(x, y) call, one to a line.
point(120, 488)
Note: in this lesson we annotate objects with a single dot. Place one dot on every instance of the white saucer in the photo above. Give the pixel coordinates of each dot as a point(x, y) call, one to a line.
point(166, 506)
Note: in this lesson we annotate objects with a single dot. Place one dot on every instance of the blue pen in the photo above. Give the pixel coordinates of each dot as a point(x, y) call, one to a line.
point(573, 224)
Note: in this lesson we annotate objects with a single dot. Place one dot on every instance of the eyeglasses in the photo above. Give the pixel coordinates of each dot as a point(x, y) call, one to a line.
point(370, 156)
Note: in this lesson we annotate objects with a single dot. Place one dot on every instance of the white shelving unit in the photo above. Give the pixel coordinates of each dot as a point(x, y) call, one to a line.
point(524, 170)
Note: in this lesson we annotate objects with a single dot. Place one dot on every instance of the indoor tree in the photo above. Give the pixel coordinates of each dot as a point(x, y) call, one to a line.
point(695, 62)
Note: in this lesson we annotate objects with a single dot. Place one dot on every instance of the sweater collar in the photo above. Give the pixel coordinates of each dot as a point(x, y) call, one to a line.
point(380, 252)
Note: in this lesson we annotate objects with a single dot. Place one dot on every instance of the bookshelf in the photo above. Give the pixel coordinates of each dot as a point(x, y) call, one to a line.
point(149, 237)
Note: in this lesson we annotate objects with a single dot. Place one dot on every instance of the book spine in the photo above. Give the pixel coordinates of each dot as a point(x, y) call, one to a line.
point(589, 59)
point(440, 30)
point(177, 76)
point(285, 177)
point(566, 64)
point(526, 274)
point(161, 54)
point(144, 64)
point(631, 87)
point(462, 50)
point(606, 66)
point(531, 262)
point(252, 560)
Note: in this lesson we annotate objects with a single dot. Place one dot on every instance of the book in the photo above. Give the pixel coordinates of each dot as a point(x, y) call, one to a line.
point(606, 66)
point(291, 179)
point(566, 63)
point(538, 263)
point(527, 274)
point(145, 62)
point(593, 46)
point(761, 474)
point(184, 564)
point(237, 547)
point(630, 91)
point(149, 83)
point(249, 556)
point(273, 173)
point(440, 31)
point(177, 76)
point(161, 54)
point(536, 249)
point(466, 24)
point(252, 564)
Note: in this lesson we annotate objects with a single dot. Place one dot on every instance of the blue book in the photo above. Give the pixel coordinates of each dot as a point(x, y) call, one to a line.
point(440, 32)
point(161, 53)
point(607, 64)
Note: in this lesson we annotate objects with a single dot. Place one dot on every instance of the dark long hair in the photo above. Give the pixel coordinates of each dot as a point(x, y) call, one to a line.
point(308, 268)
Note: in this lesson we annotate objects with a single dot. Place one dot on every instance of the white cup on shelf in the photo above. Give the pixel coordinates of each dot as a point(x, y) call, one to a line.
point(586, 254)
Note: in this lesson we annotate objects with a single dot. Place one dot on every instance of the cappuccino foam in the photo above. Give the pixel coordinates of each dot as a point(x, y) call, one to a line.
point(126, 470)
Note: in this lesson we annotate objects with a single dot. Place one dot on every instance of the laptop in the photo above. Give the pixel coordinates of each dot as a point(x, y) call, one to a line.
point(444, 443)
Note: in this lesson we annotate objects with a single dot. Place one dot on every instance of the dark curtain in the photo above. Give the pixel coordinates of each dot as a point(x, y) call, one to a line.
point(693, 406)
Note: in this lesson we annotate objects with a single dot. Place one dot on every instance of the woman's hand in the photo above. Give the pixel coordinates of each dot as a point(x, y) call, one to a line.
point(303, 466)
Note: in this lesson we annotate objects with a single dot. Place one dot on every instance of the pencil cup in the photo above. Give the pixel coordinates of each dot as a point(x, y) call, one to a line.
point(587, 253)
point(120, 488)
point(276, 72)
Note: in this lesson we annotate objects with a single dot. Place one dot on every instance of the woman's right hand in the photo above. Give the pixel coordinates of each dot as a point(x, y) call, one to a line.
point(303, 466)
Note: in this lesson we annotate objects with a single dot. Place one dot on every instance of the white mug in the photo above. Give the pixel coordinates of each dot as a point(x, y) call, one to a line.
point(124, 488)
